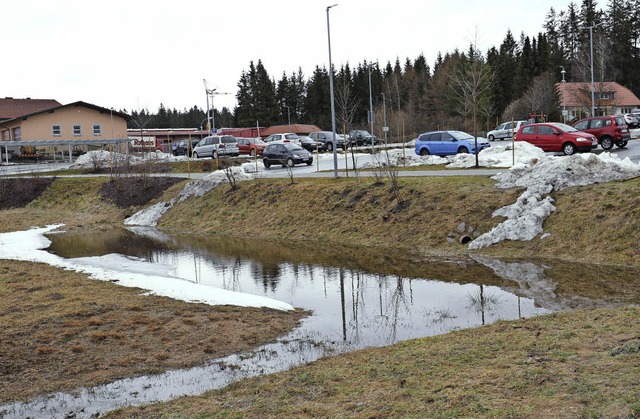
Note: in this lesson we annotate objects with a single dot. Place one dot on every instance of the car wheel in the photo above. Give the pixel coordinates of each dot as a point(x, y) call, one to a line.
point(621, 144)
point(568, 149)
point(290, 162)
point(424, 152)
point(214, 155)
point(309, 163)
point(195, 155)
point(266, 163)
point(252, 153)
point(606, 143)
point(329, 146)
point(491, 138)
point(463, 150)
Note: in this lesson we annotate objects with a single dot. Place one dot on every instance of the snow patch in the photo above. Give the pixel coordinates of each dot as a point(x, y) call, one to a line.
point(541, 175)
point(151, 215)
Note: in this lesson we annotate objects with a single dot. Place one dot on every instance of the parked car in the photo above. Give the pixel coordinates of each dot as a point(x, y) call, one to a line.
point(609, 130)
point(286, 154)
point(216, 146)
point(287, 137)
point(555, 136)
point(630, 119)
point(505, 130)
point(445, 143)
point(251, 146)
point(184, 147)
point(362, 137)
point(310, 144)
point(326, 138)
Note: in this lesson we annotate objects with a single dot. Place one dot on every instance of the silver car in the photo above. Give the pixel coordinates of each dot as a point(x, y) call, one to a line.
point(505, 130)
point(216, 146)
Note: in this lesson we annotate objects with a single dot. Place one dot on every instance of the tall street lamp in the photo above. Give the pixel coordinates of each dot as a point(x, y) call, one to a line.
point(333, 108)
point(371, 116)
point(384, 117)
point(288, 116)
point(564, 103)
point(208, 92)
point(593, 89)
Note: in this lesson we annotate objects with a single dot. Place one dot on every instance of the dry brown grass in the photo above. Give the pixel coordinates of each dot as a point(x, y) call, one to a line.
point(579, 364)
point(346, 211)
point(62, 331)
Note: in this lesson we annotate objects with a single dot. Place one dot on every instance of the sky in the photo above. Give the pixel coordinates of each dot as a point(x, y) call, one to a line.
point(136, 54)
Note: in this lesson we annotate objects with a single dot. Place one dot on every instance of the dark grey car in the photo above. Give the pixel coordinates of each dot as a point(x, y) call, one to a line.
point(326, 139)
point(286, 154)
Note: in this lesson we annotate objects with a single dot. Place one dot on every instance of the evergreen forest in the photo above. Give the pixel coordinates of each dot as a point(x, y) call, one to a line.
point(470, 90)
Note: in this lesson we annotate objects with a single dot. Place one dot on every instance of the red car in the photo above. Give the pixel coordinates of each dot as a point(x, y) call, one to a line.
point(555, 136)
point(609, 130)
point(251, 146)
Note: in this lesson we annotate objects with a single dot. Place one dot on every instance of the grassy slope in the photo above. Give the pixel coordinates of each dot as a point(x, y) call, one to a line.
point(596, 223)
point(579, 364)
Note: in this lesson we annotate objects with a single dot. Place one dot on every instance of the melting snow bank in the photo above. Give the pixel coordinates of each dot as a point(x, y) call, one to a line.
point(129, 272)
point(540, 177)
point(103, 158)
point(149, 216)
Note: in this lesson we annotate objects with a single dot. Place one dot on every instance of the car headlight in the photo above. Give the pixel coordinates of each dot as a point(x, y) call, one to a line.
point(584, 140)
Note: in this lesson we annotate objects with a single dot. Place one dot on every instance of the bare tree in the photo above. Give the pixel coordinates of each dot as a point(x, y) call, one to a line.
point(346, 106)
point(470, 85)
point(542, 96)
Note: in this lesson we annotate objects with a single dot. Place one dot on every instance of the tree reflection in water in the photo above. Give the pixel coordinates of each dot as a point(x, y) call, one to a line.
point(481, 303)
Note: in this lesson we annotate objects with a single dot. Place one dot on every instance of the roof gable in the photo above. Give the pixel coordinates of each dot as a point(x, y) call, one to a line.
point(297, 128)
point(13, 108)
point(70, 105)
point(579, 93)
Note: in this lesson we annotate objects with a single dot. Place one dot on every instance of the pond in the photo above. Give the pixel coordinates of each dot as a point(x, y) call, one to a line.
point(359, 298)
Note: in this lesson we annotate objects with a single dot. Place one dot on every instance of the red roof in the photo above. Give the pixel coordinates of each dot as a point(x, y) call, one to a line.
point(13, 108)
point(302, 129)
point(577, 94)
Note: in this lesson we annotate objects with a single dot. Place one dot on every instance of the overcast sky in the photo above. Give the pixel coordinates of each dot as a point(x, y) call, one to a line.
point(137, 54)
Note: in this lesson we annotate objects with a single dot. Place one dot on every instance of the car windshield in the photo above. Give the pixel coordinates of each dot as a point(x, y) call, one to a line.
point(291, 137)
point(293, 147)
point(620, 120)
point(565, 127)
point(256, 141)
point(460, 135)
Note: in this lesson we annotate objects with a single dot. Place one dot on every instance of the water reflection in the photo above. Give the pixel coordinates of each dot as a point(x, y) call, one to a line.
point(359, 298)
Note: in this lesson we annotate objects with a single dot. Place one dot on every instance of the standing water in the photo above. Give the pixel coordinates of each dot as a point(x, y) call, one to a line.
point(376, 299)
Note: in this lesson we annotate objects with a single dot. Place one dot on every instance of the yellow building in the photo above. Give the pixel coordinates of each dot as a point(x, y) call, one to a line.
point(45, 122)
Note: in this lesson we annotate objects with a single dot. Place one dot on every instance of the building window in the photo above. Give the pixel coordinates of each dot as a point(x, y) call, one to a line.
point(57, 131)
point(606, 95)
point(97, 130)
point(17, 134)
point(77, 130)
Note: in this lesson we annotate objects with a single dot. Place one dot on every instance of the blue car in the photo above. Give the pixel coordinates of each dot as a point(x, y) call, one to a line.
point(446, 143)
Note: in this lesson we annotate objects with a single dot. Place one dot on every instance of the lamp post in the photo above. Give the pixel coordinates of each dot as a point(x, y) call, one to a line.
point(333, 108)
point(288, 116)
point(384, 117)
point(371, 118)
point(564, 104)
point(593, 89)
point(212, 92)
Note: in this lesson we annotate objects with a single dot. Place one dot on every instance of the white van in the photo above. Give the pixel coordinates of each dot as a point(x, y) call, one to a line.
point(505, 130)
